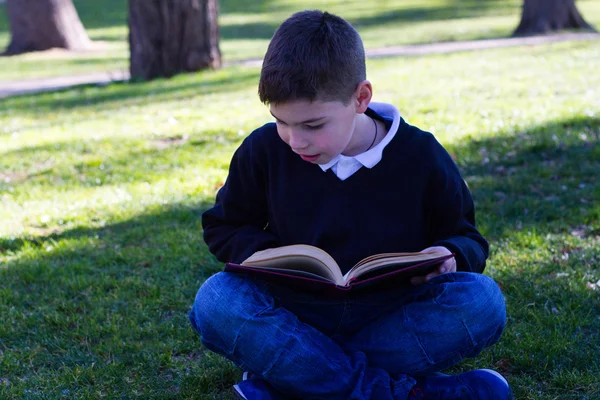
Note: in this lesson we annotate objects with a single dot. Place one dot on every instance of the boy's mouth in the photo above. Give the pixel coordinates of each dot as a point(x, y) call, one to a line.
point(309, 158)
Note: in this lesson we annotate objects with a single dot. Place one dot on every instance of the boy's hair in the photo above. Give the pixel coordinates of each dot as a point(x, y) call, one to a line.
point(313, 55)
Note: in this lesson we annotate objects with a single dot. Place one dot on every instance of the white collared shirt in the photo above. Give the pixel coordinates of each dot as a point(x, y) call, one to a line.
point(344, 166)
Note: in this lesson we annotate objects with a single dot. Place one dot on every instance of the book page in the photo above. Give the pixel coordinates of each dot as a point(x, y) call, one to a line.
point(389, 260)
point(294, 272)
point(298, 257)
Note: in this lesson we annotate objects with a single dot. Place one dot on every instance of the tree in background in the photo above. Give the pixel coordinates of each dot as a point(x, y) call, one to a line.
point(37, 25)
point(543, 16)
point(167, 37)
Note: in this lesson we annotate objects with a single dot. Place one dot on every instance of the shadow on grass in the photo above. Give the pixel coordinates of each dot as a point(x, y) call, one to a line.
point(128, 93)
point(94, 61)
point(250, 6)
point(110, 303)
point(540, 179)
point(403, 16)
point(102, 14)
point(254, 30)
point(452, 10)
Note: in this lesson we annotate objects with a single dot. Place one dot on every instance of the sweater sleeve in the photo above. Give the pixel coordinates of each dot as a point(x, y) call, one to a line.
point(451, 214)
point(234, 228)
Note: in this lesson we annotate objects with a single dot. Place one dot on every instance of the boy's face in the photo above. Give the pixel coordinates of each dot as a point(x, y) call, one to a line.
point(317, 131)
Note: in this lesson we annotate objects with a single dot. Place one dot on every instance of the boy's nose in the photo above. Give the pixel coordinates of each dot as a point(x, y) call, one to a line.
point(297, 142)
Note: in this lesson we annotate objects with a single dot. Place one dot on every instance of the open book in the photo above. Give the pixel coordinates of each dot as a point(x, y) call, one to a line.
point(310, 266)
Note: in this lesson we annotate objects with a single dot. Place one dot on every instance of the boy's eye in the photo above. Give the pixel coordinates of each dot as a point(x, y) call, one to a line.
point(314, 127)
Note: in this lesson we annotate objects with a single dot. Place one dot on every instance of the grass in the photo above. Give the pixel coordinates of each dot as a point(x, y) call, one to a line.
point(101, 191)
point(247, 26)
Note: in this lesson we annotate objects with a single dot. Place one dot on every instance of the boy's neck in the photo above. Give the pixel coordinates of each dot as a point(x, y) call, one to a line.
point(368, 132)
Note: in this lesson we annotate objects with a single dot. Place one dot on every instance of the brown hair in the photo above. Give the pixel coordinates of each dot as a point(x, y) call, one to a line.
point(313, 55)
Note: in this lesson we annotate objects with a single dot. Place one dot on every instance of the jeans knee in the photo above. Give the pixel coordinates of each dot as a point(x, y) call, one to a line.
point(205, 307)
point(488, 316)
point(221, 307)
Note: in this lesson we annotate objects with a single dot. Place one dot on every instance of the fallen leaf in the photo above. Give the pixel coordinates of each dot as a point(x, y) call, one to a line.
point(503, 364)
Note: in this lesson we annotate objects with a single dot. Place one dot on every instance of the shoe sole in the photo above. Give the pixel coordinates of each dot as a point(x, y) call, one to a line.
point(496, 374)
point(238, 393)
point(236, 389)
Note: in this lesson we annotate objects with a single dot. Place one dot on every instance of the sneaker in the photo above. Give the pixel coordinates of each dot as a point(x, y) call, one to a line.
point(253, 387)
point(480, 384)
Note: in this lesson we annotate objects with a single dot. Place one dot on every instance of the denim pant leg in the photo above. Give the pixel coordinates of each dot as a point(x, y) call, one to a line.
point(240, 319)
point(459, 315)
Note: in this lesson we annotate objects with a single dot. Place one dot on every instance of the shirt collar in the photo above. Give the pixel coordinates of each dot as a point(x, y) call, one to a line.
point(331, 163)
point(371, 157)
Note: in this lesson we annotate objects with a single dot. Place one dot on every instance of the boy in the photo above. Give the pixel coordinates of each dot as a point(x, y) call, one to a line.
point(353, 178)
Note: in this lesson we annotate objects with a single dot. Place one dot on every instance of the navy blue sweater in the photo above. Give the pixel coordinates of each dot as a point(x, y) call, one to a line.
point(412, 199)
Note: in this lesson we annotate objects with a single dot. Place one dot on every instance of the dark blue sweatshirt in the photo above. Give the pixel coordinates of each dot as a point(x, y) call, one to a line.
point(412, 199)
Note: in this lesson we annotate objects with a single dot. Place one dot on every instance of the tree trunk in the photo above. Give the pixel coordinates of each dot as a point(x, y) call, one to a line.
point(543, 16)
point(167, 37)
point(37, 25)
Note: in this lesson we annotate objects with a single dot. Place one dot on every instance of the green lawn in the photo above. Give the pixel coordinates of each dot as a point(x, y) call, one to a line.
point(101, 191)
point(247, 25)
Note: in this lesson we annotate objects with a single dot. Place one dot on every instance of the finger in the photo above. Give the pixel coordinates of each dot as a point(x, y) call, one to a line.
point(445, 267)
point(418, 280)
point(432, 275)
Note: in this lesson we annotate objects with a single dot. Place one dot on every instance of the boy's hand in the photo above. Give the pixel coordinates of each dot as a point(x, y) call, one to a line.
point(447, 266)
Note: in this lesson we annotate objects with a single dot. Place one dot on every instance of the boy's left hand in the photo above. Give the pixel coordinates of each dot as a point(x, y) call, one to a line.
point(447, 266)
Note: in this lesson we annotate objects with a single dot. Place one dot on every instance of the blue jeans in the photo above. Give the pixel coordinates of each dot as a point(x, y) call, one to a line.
point(363, 346)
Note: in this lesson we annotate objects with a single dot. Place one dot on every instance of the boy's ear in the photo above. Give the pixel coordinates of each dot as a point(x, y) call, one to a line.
point(363, 96)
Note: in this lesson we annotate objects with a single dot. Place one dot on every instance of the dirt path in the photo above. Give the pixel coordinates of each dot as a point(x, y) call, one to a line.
point(28, 86)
